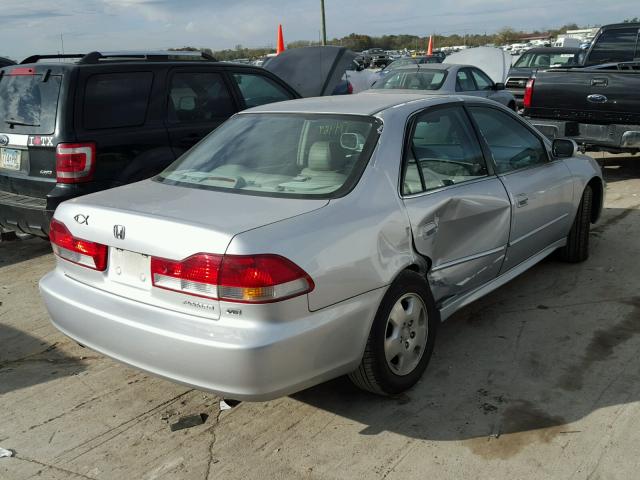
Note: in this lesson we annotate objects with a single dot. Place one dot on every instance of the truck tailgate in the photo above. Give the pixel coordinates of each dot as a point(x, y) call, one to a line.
point(587, 95)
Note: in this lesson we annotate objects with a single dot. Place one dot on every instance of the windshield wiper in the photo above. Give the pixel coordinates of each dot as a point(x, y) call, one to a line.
point(23, 124)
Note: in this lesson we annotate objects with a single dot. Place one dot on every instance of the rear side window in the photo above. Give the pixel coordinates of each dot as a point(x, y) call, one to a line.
point(619, 45)
point(412, 80)
point(115, 100)
point(28, 104)
point(464, 82)
point(198, 97)
point(512, 145)
point(259, 90)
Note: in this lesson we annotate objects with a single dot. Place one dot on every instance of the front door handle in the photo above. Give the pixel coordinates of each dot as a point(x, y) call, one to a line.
point(522, 200)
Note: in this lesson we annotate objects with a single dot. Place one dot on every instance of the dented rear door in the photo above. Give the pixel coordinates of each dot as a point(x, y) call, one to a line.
point(460, 215)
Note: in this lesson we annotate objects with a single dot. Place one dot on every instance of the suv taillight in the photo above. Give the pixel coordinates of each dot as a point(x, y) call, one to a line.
point(75, 162)
point(528, 93)
point(75, 250)
point(235, 278)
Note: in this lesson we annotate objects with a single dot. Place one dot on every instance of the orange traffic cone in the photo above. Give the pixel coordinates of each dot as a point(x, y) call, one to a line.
point(430, 47)
point(280, 47)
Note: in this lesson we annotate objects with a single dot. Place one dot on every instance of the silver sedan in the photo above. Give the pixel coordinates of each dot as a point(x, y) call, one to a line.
point(445, 79)
point(309, 239)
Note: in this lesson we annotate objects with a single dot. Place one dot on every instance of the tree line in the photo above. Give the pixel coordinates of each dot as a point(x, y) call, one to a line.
point(358, 42)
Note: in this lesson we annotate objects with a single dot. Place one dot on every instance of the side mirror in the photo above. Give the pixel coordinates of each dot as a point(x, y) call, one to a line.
point(498, 86)
point(564, 148)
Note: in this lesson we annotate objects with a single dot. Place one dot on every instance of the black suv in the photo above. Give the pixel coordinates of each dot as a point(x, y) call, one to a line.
point(75, 124)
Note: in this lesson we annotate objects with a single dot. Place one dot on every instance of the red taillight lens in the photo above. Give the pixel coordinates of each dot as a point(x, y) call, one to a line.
point(249, 279)
point(75, 162)
point(82, 252)
point(261, 278)
point(349, 88)
point(528, 93)
point(196, 275)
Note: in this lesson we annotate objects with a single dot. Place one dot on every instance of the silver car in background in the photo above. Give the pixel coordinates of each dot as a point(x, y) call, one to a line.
point(313, 238)
point(445, 79)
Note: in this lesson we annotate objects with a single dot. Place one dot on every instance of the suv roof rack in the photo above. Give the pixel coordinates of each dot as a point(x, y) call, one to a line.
point(156, 56)
point(36, 58)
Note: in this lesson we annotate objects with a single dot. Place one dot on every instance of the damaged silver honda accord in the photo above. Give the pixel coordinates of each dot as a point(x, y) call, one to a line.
point(313, 238)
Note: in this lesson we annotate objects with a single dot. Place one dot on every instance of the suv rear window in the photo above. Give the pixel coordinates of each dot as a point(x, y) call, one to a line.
point(315, 155)
point(115, 100)
point(28, 104)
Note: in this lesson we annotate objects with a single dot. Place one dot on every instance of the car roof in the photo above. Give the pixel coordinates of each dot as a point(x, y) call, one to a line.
point(428, 66)
point(368, 103)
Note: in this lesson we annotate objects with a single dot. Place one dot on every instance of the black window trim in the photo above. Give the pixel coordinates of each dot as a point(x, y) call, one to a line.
point(171, 72)
point(485, 146)
point(409, 130)
point(482, 74)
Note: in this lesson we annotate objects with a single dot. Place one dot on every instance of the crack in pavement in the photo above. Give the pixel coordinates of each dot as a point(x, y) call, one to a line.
point(53, 467)
point(118, 430)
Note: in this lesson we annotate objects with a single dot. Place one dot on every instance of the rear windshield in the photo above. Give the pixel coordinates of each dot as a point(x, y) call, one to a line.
point(618, 45)
point(28, 104)
point(279, 155)
point(547, 60)
point(413, 80)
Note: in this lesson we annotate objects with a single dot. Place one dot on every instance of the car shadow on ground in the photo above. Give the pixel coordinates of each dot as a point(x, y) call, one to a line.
point(20, 250)
point(620, 167)
point(520, 365)
point(27, 361)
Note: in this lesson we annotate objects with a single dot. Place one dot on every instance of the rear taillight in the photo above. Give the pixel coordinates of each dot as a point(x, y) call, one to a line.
point(528, 93)
point(349, 88)
point(75, 162)
point(235, 278)
point(75, 250)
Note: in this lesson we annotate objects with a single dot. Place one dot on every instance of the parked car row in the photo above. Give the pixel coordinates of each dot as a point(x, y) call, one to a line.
point(212, 227)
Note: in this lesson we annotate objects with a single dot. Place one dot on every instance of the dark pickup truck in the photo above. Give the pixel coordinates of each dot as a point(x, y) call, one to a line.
point(597, 103)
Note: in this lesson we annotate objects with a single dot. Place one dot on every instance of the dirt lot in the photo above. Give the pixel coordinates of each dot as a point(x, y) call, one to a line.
point(541, 379)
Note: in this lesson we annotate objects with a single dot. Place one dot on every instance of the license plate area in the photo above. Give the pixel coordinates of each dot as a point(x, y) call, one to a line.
point(130, 268)
point(10, 158)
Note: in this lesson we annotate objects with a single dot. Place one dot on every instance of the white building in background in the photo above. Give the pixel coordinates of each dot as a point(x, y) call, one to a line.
point(586, 34)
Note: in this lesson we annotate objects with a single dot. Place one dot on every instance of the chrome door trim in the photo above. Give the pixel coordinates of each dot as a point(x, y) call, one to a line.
point(458, 261)
point(539, 229)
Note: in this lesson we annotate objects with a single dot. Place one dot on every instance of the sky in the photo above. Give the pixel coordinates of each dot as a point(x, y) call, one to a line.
point(46, 26)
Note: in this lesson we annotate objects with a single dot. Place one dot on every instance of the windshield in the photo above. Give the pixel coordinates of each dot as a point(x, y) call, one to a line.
point(547, 60)
point(280, 155)
point(29, 104)
point(413, 80)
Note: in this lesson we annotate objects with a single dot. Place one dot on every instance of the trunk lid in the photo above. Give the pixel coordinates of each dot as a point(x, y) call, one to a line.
point(147, 218)
point(493, 61)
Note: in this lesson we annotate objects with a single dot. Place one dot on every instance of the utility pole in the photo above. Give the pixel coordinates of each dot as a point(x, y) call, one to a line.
point(324, 26)
point(62, 43)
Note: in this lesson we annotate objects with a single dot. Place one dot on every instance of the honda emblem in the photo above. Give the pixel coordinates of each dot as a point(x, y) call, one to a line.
point(119, 232)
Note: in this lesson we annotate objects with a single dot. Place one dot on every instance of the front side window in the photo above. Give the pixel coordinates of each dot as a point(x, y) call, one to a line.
point(464, 82)
point(279, 155)
point(259, 90)
point(443, 151)
point(114, 100)
point(512, 145)
point(482, 81)
point(196, 97)
point(413, 80)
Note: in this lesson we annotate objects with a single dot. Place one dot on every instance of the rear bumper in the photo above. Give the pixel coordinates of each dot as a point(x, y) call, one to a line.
point(254, 361)
point(24, 214)
point(606, 137)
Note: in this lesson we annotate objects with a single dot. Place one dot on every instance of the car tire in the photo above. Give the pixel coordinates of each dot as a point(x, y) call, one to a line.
point(406, 322)
point(577, 247)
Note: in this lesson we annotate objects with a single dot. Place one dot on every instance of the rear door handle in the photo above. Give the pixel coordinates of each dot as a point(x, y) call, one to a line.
point(522, 200)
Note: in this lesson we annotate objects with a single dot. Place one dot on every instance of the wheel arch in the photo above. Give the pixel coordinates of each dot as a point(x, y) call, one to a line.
point(597, 187)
